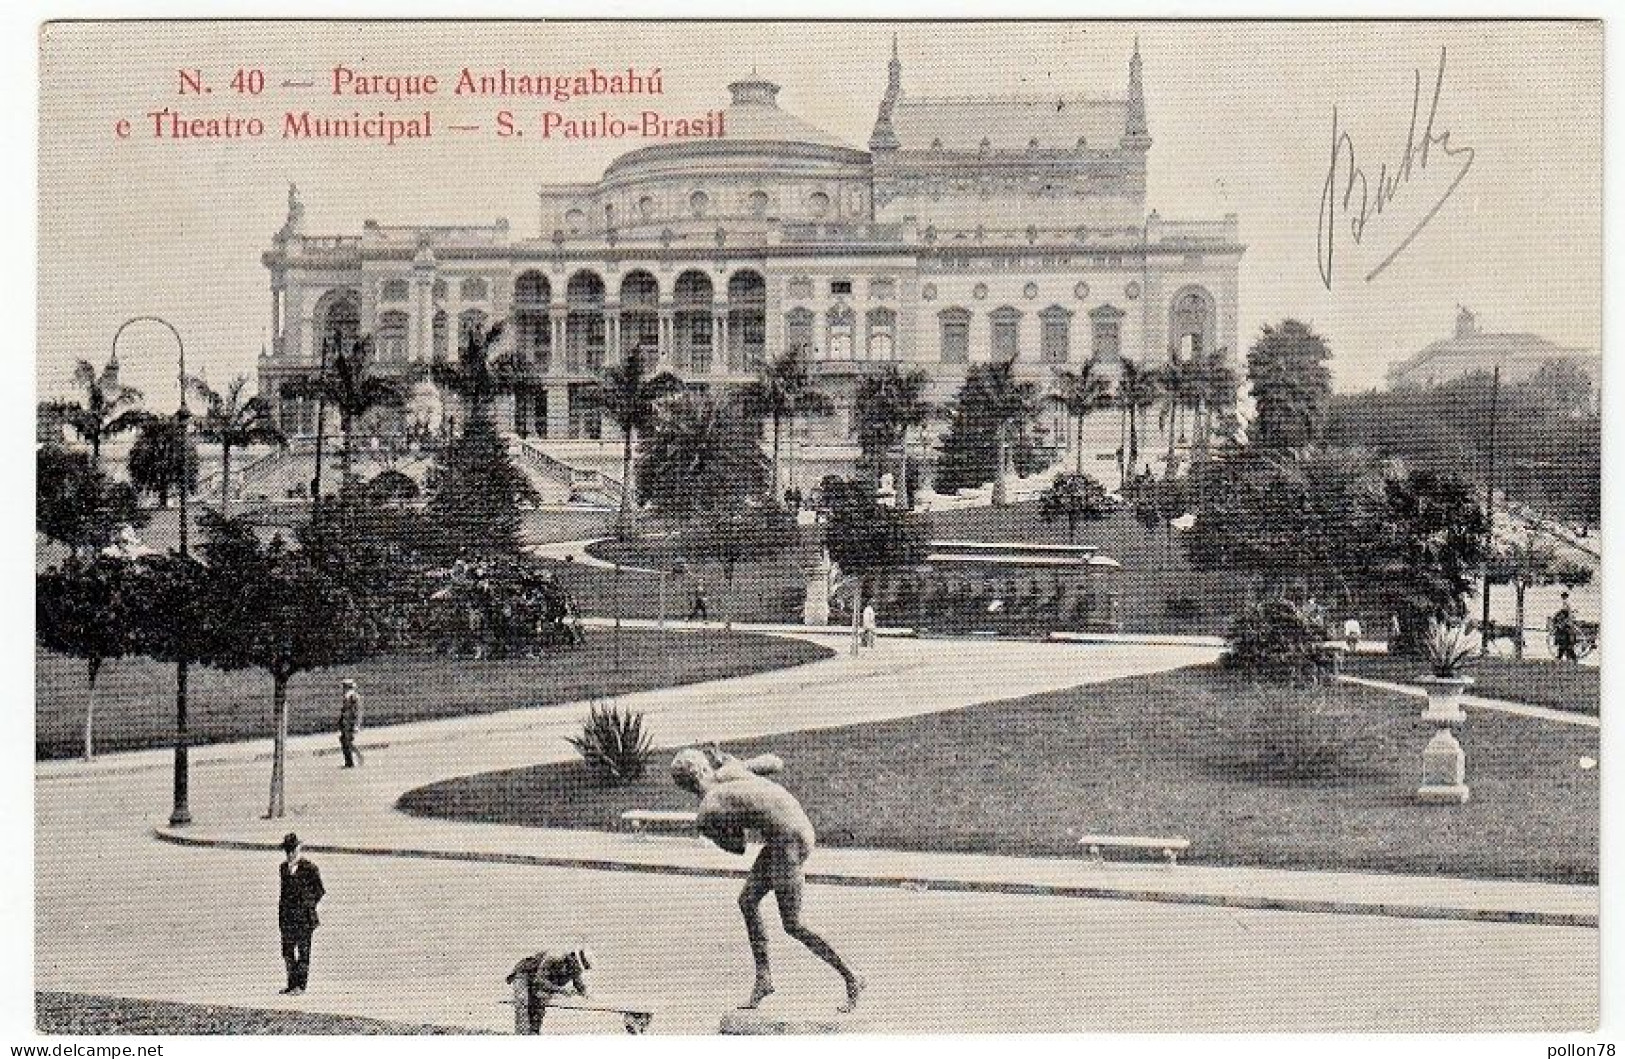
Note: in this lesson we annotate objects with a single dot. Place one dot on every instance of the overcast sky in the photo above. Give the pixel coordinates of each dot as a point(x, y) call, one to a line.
point(1240, 115)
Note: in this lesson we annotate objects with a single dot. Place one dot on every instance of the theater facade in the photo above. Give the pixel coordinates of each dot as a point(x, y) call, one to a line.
point(967, 230)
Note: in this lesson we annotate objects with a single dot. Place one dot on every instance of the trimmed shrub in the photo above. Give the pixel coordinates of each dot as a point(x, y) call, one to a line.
point(1279, 642)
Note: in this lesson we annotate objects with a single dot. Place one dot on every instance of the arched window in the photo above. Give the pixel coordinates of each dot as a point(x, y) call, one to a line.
point(439, 289)
point(1055, 335)
point(882, 334)
point(747, 320)
point(531, 289)
point(394, 290)
point(756, 202)
point(840, 332)
point(698, 203)
point(392, 332)
point(469, 322)
point(533, 333)
point(338, 316)
point(646, 207)
point(692, 325)
point(798, 330)
point(584, 323)
point(574, 221)
point(818, 204)
point(955, 325)
point(1006, 333)
point(1190, 323)
point(473, 289)
point(640, 316)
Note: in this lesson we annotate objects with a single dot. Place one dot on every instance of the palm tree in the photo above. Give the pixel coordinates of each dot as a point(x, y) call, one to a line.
point(354, 390)
point(889, 404)
point(477, 376)
point(783, 391)
point(1080, 394)
point(1137, 389)
point(1216, 383)
point(1181, 384)
point(701, 456)
point(630, 397)
point(109, 408)
point(1010, 406)
point(233, 420)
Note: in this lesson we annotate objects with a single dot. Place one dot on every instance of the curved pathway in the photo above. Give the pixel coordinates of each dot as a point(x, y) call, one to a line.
point(429, 940)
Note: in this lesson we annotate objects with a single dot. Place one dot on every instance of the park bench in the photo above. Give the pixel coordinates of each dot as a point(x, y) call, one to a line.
point(1170, 847)
point(643, 821)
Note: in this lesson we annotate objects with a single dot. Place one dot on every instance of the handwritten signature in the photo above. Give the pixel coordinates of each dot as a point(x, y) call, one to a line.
point(1360, 201)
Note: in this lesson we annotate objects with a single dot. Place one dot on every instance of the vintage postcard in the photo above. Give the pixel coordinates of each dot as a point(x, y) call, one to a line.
point(862, 527)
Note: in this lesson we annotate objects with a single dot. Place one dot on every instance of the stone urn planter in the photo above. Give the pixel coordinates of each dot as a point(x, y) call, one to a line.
point(1444, 698)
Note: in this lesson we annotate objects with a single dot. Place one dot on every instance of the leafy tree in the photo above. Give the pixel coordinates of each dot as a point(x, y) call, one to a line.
point(1563, 386)
point(381, 553)
point(1296, 523)
point(478, 492)
point(987, 433)
point(1531, 561)
point(161, 455)
point(1277, 641)
point(1547, 455)
point(279, 612)
point(1075, 498)
point(1291, 385)
point(1138, 389)
point(1216, 400)
point(749, 532)
point(864, 536)
point(701, 456)
point(81, 609)
point(76, 504)
point(630, 396)
point(1430, 539)
point(107, 409)
point(1081, 394)
point(233, 420)
point(889, 404)
point(782, 392)
point(351, 387)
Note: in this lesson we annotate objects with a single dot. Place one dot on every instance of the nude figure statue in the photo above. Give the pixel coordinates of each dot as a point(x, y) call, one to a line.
point(735, 796)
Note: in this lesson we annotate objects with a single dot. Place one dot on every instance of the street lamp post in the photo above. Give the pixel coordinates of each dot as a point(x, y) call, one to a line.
point(179, 812)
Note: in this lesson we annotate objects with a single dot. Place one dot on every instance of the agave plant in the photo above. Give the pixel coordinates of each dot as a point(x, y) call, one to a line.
point(1449, 648)
point(614, 745)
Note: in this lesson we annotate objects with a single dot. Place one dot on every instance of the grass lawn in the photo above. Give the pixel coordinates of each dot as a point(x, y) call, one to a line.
point(1562, 686)
point(1154, 572)
point(1146, 755)
point(136, 697)
point(79, 1013)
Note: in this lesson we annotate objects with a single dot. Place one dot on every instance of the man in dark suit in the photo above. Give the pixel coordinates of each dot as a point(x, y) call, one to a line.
point(296, 912)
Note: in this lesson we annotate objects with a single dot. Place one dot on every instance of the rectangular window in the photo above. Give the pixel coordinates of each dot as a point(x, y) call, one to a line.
point(1055, 340)
point(955, 340)
point(1006, 338)
point(840, 286)
point(1108, 341)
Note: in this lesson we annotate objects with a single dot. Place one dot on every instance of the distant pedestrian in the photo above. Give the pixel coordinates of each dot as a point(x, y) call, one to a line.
point(296, 912)
point(870, 620)
point(537, 979)
point(1563, 632)
point(350, 724)
point(698, 612)
point(1351, 634)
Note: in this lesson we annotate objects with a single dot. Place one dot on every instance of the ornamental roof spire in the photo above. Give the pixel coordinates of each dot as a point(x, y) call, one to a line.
point(884, 137)
point(1135, 132)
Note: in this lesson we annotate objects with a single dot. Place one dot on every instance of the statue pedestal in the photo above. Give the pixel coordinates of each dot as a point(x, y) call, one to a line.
point(763, 1024)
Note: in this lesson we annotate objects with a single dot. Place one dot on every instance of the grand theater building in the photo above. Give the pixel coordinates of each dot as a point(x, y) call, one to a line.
point(969, 230)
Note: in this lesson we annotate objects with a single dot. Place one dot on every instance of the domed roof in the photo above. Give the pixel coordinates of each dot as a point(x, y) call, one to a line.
point(755, 114)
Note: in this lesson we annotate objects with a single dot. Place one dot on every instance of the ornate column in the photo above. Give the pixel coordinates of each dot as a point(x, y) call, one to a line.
point(555, 319)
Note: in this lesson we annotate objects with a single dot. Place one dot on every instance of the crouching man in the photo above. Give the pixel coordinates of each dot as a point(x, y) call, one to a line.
point(537, 979)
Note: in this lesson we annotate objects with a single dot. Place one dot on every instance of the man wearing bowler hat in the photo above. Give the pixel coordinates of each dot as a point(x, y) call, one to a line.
point(296, 912)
